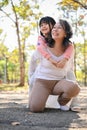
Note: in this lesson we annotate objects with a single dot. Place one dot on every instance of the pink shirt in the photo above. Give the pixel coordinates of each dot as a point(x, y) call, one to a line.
point(41, 46)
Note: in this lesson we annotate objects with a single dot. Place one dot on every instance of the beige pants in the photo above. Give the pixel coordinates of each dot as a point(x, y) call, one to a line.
point(41, 90)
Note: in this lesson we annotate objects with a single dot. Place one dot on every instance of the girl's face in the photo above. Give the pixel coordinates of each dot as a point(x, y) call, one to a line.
point(58, 32)
point(44, 28)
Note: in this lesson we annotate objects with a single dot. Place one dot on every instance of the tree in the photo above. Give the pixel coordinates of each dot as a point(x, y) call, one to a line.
point(74, 3)
point(76, 11)
point(4, 54)
point(25, 13)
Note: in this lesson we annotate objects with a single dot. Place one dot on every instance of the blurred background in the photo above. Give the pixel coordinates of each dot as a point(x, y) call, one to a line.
point(19, 31)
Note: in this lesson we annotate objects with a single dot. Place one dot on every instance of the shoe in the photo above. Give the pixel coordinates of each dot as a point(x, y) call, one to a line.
point(76, 109)
point(64, 108)
point(27, 106)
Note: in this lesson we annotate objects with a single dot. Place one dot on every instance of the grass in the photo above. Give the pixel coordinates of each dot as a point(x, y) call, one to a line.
point(13, 87)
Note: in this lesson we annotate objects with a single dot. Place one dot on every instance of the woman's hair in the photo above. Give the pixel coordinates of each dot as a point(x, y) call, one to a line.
point(51, 22)
point(67, 28)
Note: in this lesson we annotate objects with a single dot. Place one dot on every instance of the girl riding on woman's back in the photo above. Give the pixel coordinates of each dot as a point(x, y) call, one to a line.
point(46, 24)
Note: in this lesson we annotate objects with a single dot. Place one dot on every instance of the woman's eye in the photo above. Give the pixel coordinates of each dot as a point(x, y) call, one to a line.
point(60, 27)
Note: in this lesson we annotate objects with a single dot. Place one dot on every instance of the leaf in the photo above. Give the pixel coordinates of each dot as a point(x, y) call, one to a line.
point(15, 123)
point(29, 113)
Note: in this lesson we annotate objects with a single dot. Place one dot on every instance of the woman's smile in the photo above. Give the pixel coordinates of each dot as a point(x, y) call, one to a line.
point(58, 31)
point(55, 34)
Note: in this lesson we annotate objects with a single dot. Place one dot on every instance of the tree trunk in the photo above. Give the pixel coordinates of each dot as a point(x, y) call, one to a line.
point(85, 74)
point(21, 58)
point(21, 55)
point(75, 60)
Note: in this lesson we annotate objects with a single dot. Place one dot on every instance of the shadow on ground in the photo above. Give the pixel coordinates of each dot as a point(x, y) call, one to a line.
point(14, 115)
point(50, 119)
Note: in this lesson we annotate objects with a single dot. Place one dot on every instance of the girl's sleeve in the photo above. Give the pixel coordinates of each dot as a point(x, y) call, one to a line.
point(69, 51)
point(41, 46)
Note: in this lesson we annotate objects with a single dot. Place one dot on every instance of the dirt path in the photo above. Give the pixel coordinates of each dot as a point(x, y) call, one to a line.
point(15, 116)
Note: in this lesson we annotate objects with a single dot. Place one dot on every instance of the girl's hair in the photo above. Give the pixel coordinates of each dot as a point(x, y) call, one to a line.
point(51, 22)
point(67, 28)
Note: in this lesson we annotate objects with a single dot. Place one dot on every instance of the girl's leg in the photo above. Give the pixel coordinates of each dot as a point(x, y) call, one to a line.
point(39, 94)
point(66, 89)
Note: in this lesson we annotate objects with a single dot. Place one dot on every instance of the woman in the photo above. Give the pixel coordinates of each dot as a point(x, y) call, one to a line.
point(49, 79)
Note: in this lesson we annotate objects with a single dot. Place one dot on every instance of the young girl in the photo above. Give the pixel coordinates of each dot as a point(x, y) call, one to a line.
point(46, 24)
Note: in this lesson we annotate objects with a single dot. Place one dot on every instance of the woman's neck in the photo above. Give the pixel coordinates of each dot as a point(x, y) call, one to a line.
point(58, 49)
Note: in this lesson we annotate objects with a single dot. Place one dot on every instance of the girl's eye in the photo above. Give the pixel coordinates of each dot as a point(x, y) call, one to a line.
point(43, 24)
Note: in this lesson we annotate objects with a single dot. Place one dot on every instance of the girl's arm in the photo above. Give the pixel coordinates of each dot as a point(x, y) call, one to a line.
point(67, 55)
point(69, 51)
point(41, 46)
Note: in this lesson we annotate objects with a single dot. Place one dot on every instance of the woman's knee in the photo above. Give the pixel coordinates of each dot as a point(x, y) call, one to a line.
point(71, 89)
point(76, 88)
point(35, 107)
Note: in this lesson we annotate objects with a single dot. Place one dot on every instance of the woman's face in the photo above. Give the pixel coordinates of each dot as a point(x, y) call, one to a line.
point(58, 32)
point(44, 28)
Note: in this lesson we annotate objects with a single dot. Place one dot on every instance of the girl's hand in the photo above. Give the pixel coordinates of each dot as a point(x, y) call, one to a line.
point(54, 62)
point(61, 63)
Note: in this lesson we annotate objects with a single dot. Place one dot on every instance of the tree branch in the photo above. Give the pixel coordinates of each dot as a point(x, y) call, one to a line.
point(7, 15)
point(83, 5)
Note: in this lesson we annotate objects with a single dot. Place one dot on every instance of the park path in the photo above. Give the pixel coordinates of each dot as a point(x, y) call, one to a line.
point(14, 115)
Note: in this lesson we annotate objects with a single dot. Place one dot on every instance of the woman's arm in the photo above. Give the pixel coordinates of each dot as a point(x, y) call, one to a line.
point(70, 73)
point(35, 59)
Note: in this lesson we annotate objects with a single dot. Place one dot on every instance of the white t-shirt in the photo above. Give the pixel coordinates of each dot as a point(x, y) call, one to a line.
point(45, 69)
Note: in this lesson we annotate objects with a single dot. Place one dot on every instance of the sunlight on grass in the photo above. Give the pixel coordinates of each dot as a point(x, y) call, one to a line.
point(13, 87)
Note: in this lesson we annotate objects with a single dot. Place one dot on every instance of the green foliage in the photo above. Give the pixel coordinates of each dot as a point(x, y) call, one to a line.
point(11, 67)
point(3, 51)
point(14, 56)
point(2, 62)
point(3, 3)
point(24, 10)
point(27, 10)
point(31, 47)
point(13, 87)
point(81, 62)
point(74, 4)
point(1, 31)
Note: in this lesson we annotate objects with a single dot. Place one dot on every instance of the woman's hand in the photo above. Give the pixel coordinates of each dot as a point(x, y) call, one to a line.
point(61, 63)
